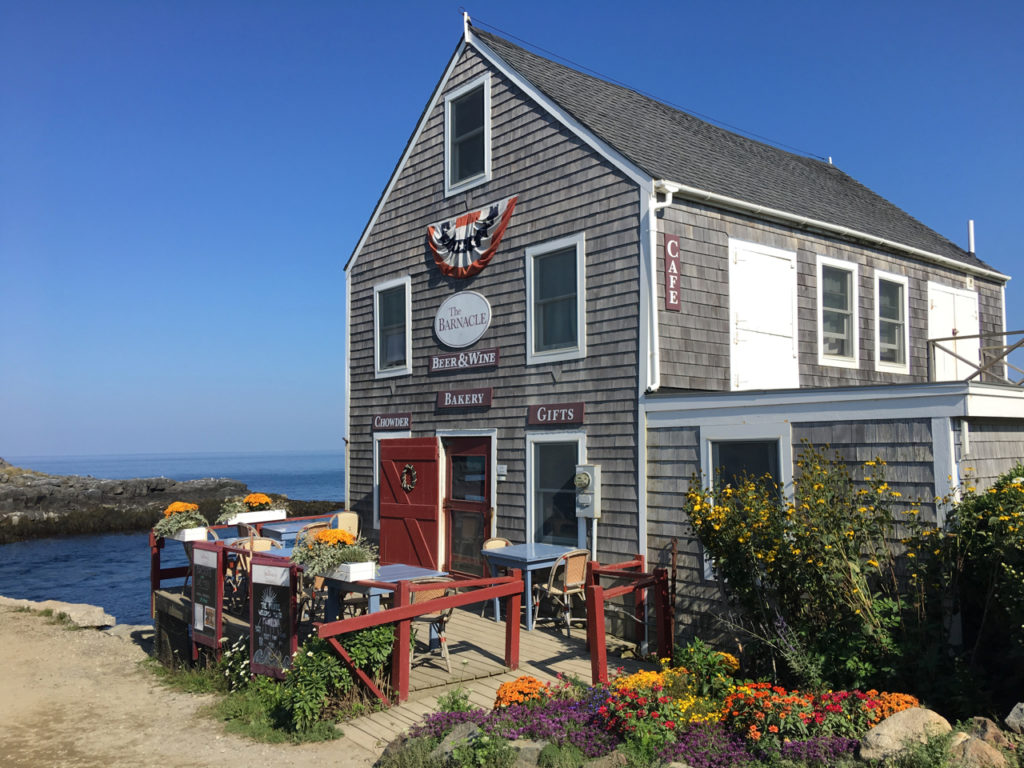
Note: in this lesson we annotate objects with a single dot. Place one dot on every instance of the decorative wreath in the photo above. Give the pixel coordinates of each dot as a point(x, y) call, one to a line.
point(408, 478)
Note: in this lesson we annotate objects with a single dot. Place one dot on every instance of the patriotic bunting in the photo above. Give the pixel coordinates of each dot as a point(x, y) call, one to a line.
point(464, 245)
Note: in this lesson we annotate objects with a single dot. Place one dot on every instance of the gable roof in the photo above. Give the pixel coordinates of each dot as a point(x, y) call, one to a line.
point(670, 144)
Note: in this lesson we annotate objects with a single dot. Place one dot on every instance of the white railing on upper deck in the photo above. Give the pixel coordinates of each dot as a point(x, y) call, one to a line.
point(978, 358)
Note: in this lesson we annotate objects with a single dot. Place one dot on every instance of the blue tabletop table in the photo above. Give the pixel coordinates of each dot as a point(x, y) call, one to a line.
point(285, 531)
point(390, 573)
point(528, 558)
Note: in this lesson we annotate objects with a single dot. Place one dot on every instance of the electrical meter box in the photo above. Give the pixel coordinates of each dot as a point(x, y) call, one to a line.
point(588, 491)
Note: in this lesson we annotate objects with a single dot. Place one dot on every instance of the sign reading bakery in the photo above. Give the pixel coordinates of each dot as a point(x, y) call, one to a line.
point(465, 398)
point(462, 319)
point(555, 413)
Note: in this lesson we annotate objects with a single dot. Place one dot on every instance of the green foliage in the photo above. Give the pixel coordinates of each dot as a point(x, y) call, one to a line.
point(484, 751)
point(370, 649)
point(231, 507)
point(709, 671)
point(565, 756)
point(316, 676)
point(170, 525)
point(455, 700)
point(815, 579)
point(933, 754)
point(414, 753)
point(234, 665)
point(318, 558)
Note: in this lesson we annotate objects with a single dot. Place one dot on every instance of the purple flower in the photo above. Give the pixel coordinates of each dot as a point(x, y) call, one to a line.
point(439, 724)
point(707, 746)
point(821, 750)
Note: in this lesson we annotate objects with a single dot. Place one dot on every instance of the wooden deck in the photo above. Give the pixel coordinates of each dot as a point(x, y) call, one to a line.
point(476, 646)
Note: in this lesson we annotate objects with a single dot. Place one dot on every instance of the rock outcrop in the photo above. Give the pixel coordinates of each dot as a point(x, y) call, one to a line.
point(895, 733)
point(36, 504)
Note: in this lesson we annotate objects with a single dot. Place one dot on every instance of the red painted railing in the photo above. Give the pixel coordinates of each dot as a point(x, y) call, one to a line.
point(403, 610)
point(640, 581)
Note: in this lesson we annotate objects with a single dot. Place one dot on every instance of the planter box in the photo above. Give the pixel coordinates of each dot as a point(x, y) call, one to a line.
point(190, 534)
point(354, 571)
point(259, 516)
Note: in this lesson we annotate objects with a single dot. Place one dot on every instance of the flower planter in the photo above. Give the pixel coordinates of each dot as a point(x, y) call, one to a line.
point(259, 516)
point(190, 534)
point(354, 571)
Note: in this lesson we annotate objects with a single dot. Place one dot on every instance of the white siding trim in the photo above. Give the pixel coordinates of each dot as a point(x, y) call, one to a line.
point(905, 282)
point(376, 437)
point(532, 438)
point(577, 241)
point(945, 471)
point(768, 430)
point(649, 369)
point(835, 360)
point(406, 282)
point(347, 416)
point(483, 178)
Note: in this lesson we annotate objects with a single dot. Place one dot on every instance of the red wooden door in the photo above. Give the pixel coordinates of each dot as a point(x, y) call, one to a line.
point(410, 516)
point(467, 502)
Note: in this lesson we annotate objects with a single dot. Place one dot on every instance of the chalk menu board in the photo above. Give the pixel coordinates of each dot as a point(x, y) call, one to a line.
point(207, 593)
point(273, 638)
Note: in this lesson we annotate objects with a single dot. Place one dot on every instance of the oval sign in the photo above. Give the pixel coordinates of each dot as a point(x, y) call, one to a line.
point(462, 319)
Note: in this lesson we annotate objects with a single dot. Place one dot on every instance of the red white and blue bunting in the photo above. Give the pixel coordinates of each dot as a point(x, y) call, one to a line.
point(464, 245)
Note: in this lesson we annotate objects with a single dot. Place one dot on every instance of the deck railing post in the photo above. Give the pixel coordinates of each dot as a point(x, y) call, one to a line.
point(640, 611)
point(663, 613)
point(155, 545)
point(400, 656)
point(512, 623)
point(595, 634)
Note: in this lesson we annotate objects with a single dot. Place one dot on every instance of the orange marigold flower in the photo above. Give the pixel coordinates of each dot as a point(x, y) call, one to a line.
point(333, 537)
point(257, 501)
point(179, 506)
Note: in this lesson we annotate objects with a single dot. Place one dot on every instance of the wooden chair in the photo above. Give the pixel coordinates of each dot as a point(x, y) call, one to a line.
point(309, 531)
point(347, 521)
point(437, 621)
point(567, 578)
point(495, 542)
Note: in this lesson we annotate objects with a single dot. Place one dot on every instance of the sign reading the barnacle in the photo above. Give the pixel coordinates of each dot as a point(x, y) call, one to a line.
point(463, 246)
point(460, 361)
point(555, 413)
point(465, 398)
point(462, 319)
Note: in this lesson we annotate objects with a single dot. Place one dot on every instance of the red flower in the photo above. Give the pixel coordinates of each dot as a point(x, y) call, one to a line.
point(655, 714)
point(670, 724)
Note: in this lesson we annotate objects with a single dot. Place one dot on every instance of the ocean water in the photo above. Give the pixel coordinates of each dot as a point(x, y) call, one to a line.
point(308, 476)
point(112, 570)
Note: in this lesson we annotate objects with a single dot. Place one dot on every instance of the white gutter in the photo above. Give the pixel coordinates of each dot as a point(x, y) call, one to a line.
point(703, 196)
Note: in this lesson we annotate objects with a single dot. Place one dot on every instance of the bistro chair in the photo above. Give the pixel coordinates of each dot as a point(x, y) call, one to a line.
point(347, 521)
point(567, 578)
point(310, 530)
point(436, 621)
point(495, 542)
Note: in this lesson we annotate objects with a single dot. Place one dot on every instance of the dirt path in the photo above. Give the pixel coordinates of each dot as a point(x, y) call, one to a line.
point(76, 698)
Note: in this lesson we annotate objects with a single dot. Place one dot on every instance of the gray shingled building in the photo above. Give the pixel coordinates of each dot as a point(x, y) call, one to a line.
point(562, 271)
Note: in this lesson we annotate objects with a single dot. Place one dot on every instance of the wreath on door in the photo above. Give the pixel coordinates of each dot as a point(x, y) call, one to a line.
point(408, 478)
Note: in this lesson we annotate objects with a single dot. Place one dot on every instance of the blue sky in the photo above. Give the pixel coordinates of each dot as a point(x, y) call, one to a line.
point(182, 182)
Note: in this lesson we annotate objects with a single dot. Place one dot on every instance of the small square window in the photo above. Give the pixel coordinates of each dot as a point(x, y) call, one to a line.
point(555, 290)
point(837, 313)
point(467, 131)
point(392, 321)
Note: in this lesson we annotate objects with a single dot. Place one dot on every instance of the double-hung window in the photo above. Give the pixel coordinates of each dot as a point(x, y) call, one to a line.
point(392, 326)
point(556, 300)
point(892, 331)
point(467, 130)
point(838, 337)
point(551, 495)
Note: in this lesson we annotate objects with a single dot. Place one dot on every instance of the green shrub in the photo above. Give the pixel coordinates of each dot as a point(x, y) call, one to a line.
point(483, 751)
point(455, 700)
point(316, 676)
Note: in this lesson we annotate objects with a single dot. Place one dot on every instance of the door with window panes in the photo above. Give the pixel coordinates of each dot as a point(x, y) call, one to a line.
point(467, 502)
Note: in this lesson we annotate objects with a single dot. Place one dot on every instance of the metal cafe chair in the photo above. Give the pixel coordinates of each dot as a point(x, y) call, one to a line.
point(566, 578)
point(495, 542)
point(439, 620)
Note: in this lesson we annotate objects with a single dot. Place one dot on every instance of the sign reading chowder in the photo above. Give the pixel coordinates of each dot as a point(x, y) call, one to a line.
point(462, 319)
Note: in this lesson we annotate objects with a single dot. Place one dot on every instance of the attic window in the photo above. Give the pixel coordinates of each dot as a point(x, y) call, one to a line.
point(467, 128)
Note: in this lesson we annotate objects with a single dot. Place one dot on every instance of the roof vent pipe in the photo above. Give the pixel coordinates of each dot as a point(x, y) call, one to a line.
point(970, 236)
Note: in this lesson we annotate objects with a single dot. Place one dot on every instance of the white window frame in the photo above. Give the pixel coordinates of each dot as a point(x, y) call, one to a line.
point(579, 351)
point(379, 288)
point(377, 437)
point(903, 280)
point(449, 100)
point(781, 431)
point(835, 360)
point(532, 439)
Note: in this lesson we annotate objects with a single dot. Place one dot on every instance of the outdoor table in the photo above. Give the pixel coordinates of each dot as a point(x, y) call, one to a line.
point(390, 573)
point(528, 558)
point(285, 531)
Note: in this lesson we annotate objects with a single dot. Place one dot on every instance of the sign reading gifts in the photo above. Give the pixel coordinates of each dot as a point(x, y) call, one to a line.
point(672, 286)
point(555, 413)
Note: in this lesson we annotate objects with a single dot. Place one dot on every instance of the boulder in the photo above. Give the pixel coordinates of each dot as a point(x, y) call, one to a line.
point(462, 732)
point(975, 753)
point(79, 614)
point(527, 752)
point(1015, 720)
point(895, 733)
point(988, 731)
point(615, 759)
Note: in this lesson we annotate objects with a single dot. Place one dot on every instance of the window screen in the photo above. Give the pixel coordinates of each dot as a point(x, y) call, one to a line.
point(891, 323)
point(554, 506)
point(391, 333)
point(837, 312)
point(554, 296)
point(467, 136)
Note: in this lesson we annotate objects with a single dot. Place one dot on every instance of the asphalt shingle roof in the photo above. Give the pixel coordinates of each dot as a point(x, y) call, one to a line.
point(670, 144)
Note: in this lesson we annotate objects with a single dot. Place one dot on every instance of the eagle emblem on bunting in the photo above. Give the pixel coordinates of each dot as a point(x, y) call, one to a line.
point(463, 246)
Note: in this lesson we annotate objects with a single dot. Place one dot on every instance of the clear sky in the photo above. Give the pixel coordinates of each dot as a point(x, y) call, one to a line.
point(181, 182)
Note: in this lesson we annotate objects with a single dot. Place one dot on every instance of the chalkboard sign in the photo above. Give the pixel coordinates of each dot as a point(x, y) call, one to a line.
point(273, 638)
point(207, 593)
